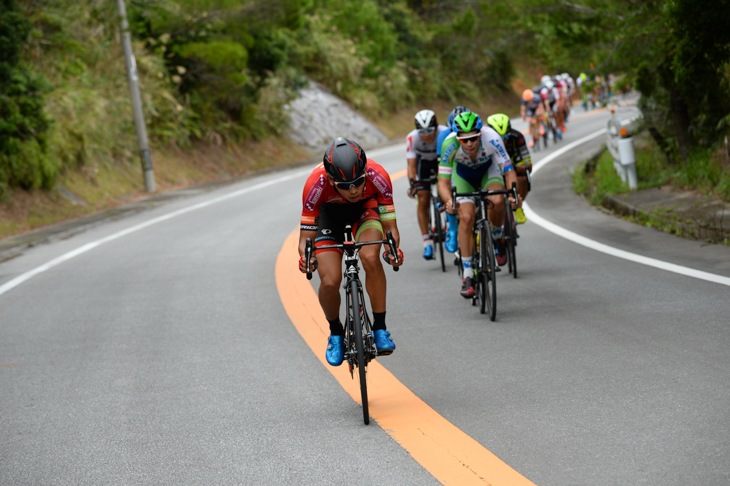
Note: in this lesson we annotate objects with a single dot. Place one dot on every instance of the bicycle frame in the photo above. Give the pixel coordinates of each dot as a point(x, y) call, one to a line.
point(359, 341)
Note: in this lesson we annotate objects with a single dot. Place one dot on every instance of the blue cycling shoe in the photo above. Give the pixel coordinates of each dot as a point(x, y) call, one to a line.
point(383, 343)
point(335, 350)
point(428, 252)
point(452, 243)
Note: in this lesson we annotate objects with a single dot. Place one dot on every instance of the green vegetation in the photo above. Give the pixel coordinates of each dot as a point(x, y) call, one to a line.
point(705, 171)
point(218, 73)
point(24, 161)
point(597, 180)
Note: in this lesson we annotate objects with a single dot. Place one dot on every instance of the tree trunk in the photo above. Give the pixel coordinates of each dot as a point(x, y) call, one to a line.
point(662, 143)
point(680, 113)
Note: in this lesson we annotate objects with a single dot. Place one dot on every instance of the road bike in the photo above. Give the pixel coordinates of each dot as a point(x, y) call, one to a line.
point(436, 224)
point(359, 341)
point(483, 260)
point(436, 230)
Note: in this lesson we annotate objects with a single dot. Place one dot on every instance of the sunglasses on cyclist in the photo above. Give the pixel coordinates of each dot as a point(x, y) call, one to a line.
point(468, 138)
point(356, 183)
point(426, 131)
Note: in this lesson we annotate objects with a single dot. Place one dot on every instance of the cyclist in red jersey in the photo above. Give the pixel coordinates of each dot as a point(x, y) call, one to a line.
point(348, 188)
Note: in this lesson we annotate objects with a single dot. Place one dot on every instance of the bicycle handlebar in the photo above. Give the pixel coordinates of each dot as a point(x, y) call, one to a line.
point(308, 256)
point(484, 192)
point(389, 240)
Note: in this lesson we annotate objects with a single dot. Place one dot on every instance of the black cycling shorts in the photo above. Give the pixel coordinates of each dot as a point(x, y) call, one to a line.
point(426, 172)
point(334, 217)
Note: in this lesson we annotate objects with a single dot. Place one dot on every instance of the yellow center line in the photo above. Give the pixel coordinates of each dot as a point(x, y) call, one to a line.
point(446, 452)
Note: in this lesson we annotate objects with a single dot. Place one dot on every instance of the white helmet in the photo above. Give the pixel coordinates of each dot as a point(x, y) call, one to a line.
point(549, 84)
point(426, 119)
point(544, 79)
point(565, 76)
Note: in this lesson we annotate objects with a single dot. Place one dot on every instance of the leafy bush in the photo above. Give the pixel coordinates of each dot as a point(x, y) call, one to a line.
point(23, 125)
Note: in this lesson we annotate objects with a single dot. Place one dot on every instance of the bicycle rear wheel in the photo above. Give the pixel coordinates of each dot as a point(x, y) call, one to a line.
point(491, 272)
point(510, 237)
point(360, 348)
point(439, 233)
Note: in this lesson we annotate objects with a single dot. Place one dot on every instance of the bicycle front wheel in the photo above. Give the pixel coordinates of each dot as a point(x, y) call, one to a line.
point(360, 348)
point(482, 267)
point(487, 249)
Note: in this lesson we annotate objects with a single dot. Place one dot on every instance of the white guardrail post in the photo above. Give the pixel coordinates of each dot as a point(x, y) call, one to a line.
point(622, 151)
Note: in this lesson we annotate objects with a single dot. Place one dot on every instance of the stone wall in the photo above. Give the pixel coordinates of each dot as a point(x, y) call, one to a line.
point(318, 117)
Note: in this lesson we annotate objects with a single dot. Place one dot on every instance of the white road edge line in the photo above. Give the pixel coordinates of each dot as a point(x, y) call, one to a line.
point(89, 246)
point(609, 250)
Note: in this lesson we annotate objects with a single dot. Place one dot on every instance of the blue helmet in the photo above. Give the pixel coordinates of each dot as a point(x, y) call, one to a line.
point(454, 113)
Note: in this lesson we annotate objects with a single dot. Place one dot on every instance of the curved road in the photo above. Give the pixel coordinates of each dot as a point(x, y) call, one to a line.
point(165, 356)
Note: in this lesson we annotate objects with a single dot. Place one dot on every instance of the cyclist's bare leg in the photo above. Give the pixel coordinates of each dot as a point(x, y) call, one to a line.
point(467, 215)
point(533, 129)
point(424, 201)
point(330, 275)
point(375, 281)
point(496, 213)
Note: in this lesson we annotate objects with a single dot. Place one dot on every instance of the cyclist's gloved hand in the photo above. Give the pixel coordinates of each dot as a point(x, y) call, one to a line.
point(390, 260)
point(303, 264)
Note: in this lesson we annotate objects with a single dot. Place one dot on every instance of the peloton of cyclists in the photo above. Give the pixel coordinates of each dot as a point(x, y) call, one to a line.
point(475, 158)
point(422, 157)
point(348, 188)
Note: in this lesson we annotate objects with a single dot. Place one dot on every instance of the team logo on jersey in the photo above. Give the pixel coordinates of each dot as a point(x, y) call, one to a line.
point(381, 183)
point(314, 193)
point(500, 148)
point(326, 231)
point(386, 209)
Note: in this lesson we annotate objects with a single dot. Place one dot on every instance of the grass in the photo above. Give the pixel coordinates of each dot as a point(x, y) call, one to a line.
point(705, 171)
point(105, 186)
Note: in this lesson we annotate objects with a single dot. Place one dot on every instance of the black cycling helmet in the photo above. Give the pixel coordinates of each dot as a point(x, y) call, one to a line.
point(345, 160)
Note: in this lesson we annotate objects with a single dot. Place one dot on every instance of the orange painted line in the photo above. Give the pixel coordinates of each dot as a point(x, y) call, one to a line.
point(446, 452)
point(3, 365)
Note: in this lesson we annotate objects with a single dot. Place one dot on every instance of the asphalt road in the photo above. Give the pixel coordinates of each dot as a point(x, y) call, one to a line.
point(164, 356)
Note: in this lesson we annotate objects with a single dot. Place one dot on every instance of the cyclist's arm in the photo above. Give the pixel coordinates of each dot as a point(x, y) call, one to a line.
point(303, 235)
point(509, 178)
point(411, 169)
point(392, 226)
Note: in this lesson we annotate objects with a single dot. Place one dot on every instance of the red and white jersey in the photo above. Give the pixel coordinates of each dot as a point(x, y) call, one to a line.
point(378, 192)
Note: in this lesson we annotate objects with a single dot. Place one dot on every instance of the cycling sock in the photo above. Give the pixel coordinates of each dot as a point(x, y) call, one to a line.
point(468, 270)
point(379, 318)
point(336, 328)
point(497, 233)
point(427, 241)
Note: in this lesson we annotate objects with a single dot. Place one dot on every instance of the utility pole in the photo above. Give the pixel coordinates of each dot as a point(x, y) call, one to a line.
point(144, 145)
